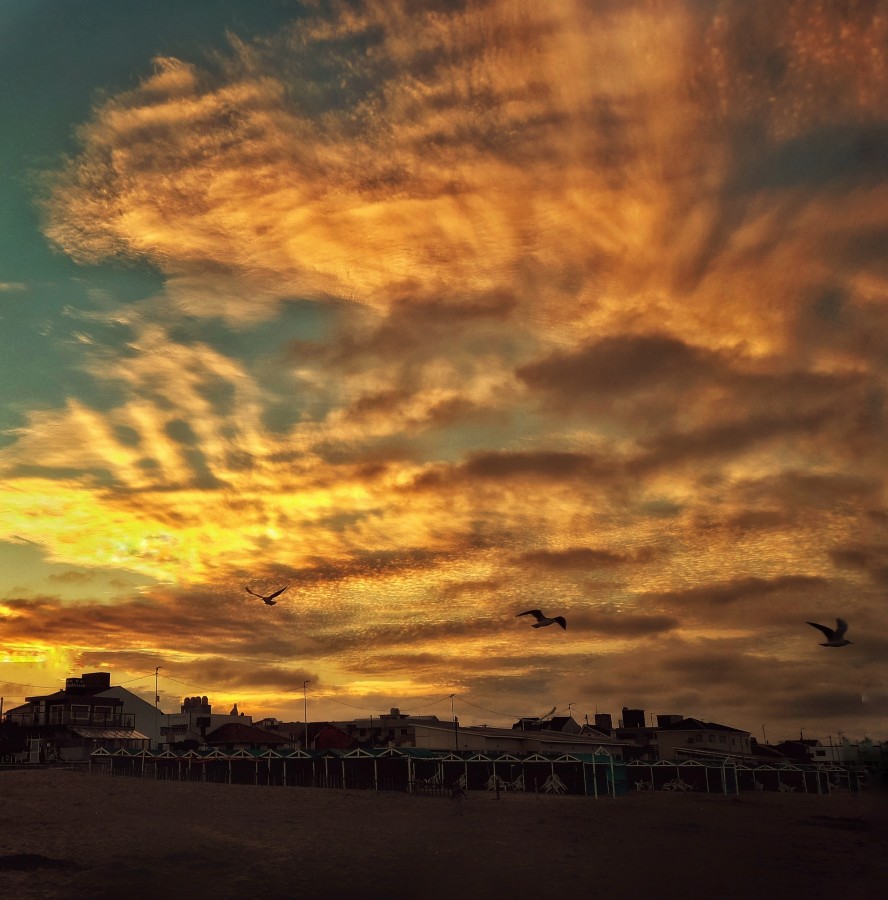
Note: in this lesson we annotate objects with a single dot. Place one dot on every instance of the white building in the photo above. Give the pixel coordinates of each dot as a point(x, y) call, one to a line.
point(444, 736)
point(147, 718)
point(692, 737)
point(197, 719)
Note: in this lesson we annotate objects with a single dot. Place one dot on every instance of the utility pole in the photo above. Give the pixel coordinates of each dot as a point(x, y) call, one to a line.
point(305, 710)
point(156, 708)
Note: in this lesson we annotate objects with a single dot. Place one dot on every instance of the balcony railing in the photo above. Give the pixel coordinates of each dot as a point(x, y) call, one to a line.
point(66, 717)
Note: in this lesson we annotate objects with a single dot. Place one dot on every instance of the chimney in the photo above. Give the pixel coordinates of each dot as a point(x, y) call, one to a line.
point(96, 681)
point(664, 721)
point(633, 718)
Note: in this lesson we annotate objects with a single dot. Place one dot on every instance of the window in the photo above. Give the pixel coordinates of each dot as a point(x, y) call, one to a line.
point(55, 715)
point(101, 715)
point(711, 738)
point(698, 738)
point(79, 713)
point(722, 739)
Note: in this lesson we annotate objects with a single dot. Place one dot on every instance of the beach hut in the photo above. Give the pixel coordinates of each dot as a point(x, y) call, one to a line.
point(424, 769)
point(481, 774)
point(299, 767)
point(392, 769)
point(215, 765)
point(361, 769)
point(100, 762)
point(453, 766)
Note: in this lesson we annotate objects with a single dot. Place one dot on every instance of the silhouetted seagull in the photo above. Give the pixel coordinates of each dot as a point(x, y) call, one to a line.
point(542, 620)
point(270, 598)
point(834, 637)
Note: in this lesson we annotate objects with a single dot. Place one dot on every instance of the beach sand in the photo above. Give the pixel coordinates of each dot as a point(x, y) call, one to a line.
point(98, 836)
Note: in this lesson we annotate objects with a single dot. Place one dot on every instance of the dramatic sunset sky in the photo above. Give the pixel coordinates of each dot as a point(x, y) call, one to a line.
point(440, 311)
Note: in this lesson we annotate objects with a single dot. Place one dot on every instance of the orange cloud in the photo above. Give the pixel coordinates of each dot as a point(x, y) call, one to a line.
point(605, 290)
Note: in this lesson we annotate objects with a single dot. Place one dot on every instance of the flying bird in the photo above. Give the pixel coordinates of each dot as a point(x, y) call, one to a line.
point(542, 620)
point(269, 599)
point(835, 637)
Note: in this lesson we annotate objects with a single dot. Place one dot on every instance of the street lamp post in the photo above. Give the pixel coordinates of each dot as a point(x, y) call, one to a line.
point(455, 726)
point(156, 708)
point(305, 710)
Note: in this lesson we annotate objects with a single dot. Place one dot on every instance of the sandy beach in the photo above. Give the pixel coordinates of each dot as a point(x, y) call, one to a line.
point(99, 836)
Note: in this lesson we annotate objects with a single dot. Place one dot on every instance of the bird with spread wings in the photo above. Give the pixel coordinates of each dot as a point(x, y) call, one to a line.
point(543, 620)
point(268, 599)
point(835, 637)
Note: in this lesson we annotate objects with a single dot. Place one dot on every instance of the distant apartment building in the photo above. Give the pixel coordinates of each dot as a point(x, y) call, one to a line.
point(316, 736)
point(196, 719)
point(693, 737)
point(531, 734)
point(560, 724)
point(234, 736)
point(674, 736)
point(391, 729)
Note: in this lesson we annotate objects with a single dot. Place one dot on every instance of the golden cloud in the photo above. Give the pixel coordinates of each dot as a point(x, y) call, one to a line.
point(603, 282)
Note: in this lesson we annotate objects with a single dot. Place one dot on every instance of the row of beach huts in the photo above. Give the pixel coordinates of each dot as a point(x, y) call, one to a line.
point(445, 773)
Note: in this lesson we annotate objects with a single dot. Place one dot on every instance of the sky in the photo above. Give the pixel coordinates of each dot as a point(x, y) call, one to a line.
point(439, 312)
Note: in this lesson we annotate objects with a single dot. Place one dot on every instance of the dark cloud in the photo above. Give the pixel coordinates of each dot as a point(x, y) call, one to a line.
point(382, 403)
point(653, 380)
point(840, 157)
point(750, 520)
point(211, 621)
point(415, 331)
point(738, 589)
point(72, 577)
point(819, 707)
point(573, 558)
point(622, 364)
point(716, 666)
point(724, 439)
point(366, 564)
point(453, 411)
point(792, 489)
point(495, 466)
point(401, 634)
point(869, 558)
point(223, 673)
point(622, 624)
